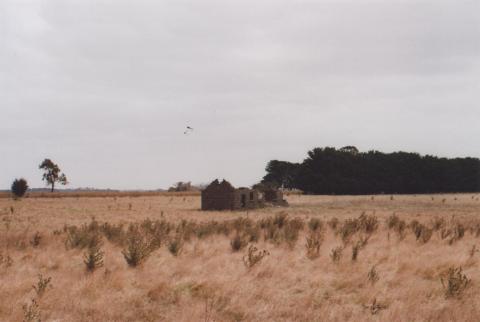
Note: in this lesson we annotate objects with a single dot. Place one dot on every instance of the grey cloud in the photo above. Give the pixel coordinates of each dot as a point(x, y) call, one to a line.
point(117, 82)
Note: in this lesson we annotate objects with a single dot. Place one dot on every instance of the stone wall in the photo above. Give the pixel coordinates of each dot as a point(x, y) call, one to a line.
point(223, 196)
point(246, 199)
point(218, 196)
point(273, 195)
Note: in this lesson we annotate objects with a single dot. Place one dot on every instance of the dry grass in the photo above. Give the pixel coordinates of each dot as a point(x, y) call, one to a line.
point(406, 267)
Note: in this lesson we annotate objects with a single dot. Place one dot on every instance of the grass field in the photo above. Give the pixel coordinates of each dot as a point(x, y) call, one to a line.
point(345, 258)
point(99, 194)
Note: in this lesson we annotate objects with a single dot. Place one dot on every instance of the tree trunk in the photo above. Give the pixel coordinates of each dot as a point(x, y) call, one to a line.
point(53, 186)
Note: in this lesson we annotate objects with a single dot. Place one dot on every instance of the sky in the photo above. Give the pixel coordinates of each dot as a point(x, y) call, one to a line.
point(106, 88)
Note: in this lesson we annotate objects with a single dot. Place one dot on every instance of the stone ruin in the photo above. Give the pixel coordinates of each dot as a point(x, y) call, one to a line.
point(274, 197)
point(223, 196)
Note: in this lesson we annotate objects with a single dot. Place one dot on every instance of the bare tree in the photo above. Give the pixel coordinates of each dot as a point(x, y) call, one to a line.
point(52, 174)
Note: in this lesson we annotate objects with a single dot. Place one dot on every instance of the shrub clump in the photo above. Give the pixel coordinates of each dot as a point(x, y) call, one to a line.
point(19, 188)
point(422, 233)
point(312, 244)
point(36, 239)
point(454, 282)
point(355, 251)
point(375, 307)
point(281, 229)
point(291, 231)
point(373, 275)
point(315, 224)
point(31, 312)
point(93, 258)
point(113, 233)
point(367, 224)
point(458, 233)
point(138, 247)
point(82, 237)
point(175, 245)
point(254, 256)
point(42, 285)
point(5, 260)
point(157, 231)
point(333, 223)
point(336, 254)
point(438, 223)
point(348, 229)
point(237, 243)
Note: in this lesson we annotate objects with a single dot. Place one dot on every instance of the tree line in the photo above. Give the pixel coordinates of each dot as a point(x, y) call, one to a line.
point(347, 171)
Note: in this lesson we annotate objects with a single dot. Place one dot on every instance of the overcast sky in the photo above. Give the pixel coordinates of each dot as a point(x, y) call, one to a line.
point(106, 88)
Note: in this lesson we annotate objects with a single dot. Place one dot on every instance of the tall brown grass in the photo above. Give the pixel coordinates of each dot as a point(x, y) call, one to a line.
point(416, 265)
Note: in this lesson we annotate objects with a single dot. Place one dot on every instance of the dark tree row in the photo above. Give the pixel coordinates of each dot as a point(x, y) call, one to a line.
point(348, 171)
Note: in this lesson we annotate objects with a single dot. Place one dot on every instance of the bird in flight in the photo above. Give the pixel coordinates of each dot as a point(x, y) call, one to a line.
point(188, 130)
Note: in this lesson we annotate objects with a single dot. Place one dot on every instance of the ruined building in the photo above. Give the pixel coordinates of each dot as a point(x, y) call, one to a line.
point(223, 196)
point(274, 197)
